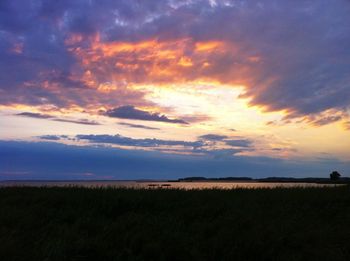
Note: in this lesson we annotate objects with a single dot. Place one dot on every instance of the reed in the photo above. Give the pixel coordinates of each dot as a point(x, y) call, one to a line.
point(166, 224)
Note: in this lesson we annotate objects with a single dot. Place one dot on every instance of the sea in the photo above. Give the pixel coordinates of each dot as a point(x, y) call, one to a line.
point(161, 184)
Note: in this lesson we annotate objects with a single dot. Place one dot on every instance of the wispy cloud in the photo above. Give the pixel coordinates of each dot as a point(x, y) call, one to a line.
point(138, 126)
point(80, 121)
point(239, 143)
point(126, 141)
point(53, 118)
point(52, 137)
point(131, 113)
point(213, 137)
point(35, 115)
point(232, 142)
point(214, 145)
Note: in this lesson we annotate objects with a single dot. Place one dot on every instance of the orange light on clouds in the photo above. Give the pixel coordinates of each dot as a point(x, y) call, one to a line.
point(113, 48)
point(185, 61)
point(147, 61)
point(208, 46)
point(106, 87)
point(254, 59)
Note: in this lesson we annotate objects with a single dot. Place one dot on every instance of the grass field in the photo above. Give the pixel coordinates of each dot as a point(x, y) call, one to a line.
point(125, 224)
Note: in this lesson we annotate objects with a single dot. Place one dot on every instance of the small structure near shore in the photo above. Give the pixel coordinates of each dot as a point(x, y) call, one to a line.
point(159, 185)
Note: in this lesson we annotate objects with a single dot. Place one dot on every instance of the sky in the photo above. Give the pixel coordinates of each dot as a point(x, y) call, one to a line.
point(131, 89)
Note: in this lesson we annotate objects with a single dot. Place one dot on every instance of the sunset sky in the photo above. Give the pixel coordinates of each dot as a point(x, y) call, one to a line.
point(106, 89)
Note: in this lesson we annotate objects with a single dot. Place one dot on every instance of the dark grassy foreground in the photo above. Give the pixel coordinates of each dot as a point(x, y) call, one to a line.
point(121, 224)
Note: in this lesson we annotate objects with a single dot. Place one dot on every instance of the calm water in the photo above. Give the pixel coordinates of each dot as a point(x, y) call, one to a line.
point(158, 184)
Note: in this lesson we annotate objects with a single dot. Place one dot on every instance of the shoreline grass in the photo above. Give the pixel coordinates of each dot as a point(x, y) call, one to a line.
point(75, 223)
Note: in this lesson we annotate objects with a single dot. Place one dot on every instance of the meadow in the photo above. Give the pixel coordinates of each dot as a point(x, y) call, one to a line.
point(167, 224)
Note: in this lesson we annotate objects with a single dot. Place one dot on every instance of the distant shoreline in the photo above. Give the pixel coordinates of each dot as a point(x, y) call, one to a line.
point(344, 180)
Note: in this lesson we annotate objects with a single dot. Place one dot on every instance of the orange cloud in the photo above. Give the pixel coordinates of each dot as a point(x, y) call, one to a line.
point(150, 61)
point(185, 61)
point(208, 46)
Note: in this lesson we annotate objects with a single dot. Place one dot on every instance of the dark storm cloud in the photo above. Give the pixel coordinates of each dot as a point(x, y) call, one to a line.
point(53, 161)
point(291, 56)
point(130, 112)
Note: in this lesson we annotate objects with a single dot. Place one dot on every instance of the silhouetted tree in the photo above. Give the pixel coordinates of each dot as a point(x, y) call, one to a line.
point(334, 175)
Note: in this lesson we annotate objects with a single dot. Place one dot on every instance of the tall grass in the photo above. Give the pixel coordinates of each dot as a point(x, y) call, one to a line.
point(128, 224)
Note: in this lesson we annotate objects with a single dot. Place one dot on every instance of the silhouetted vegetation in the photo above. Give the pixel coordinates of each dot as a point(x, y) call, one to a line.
point(334, 175)
point(155, 224)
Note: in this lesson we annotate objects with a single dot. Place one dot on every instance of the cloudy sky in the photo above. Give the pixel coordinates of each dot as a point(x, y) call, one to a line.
point(105, 89)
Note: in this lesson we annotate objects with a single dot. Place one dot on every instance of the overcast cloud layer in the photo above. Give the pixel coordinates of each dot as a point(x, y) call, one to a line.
point(290, 55)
